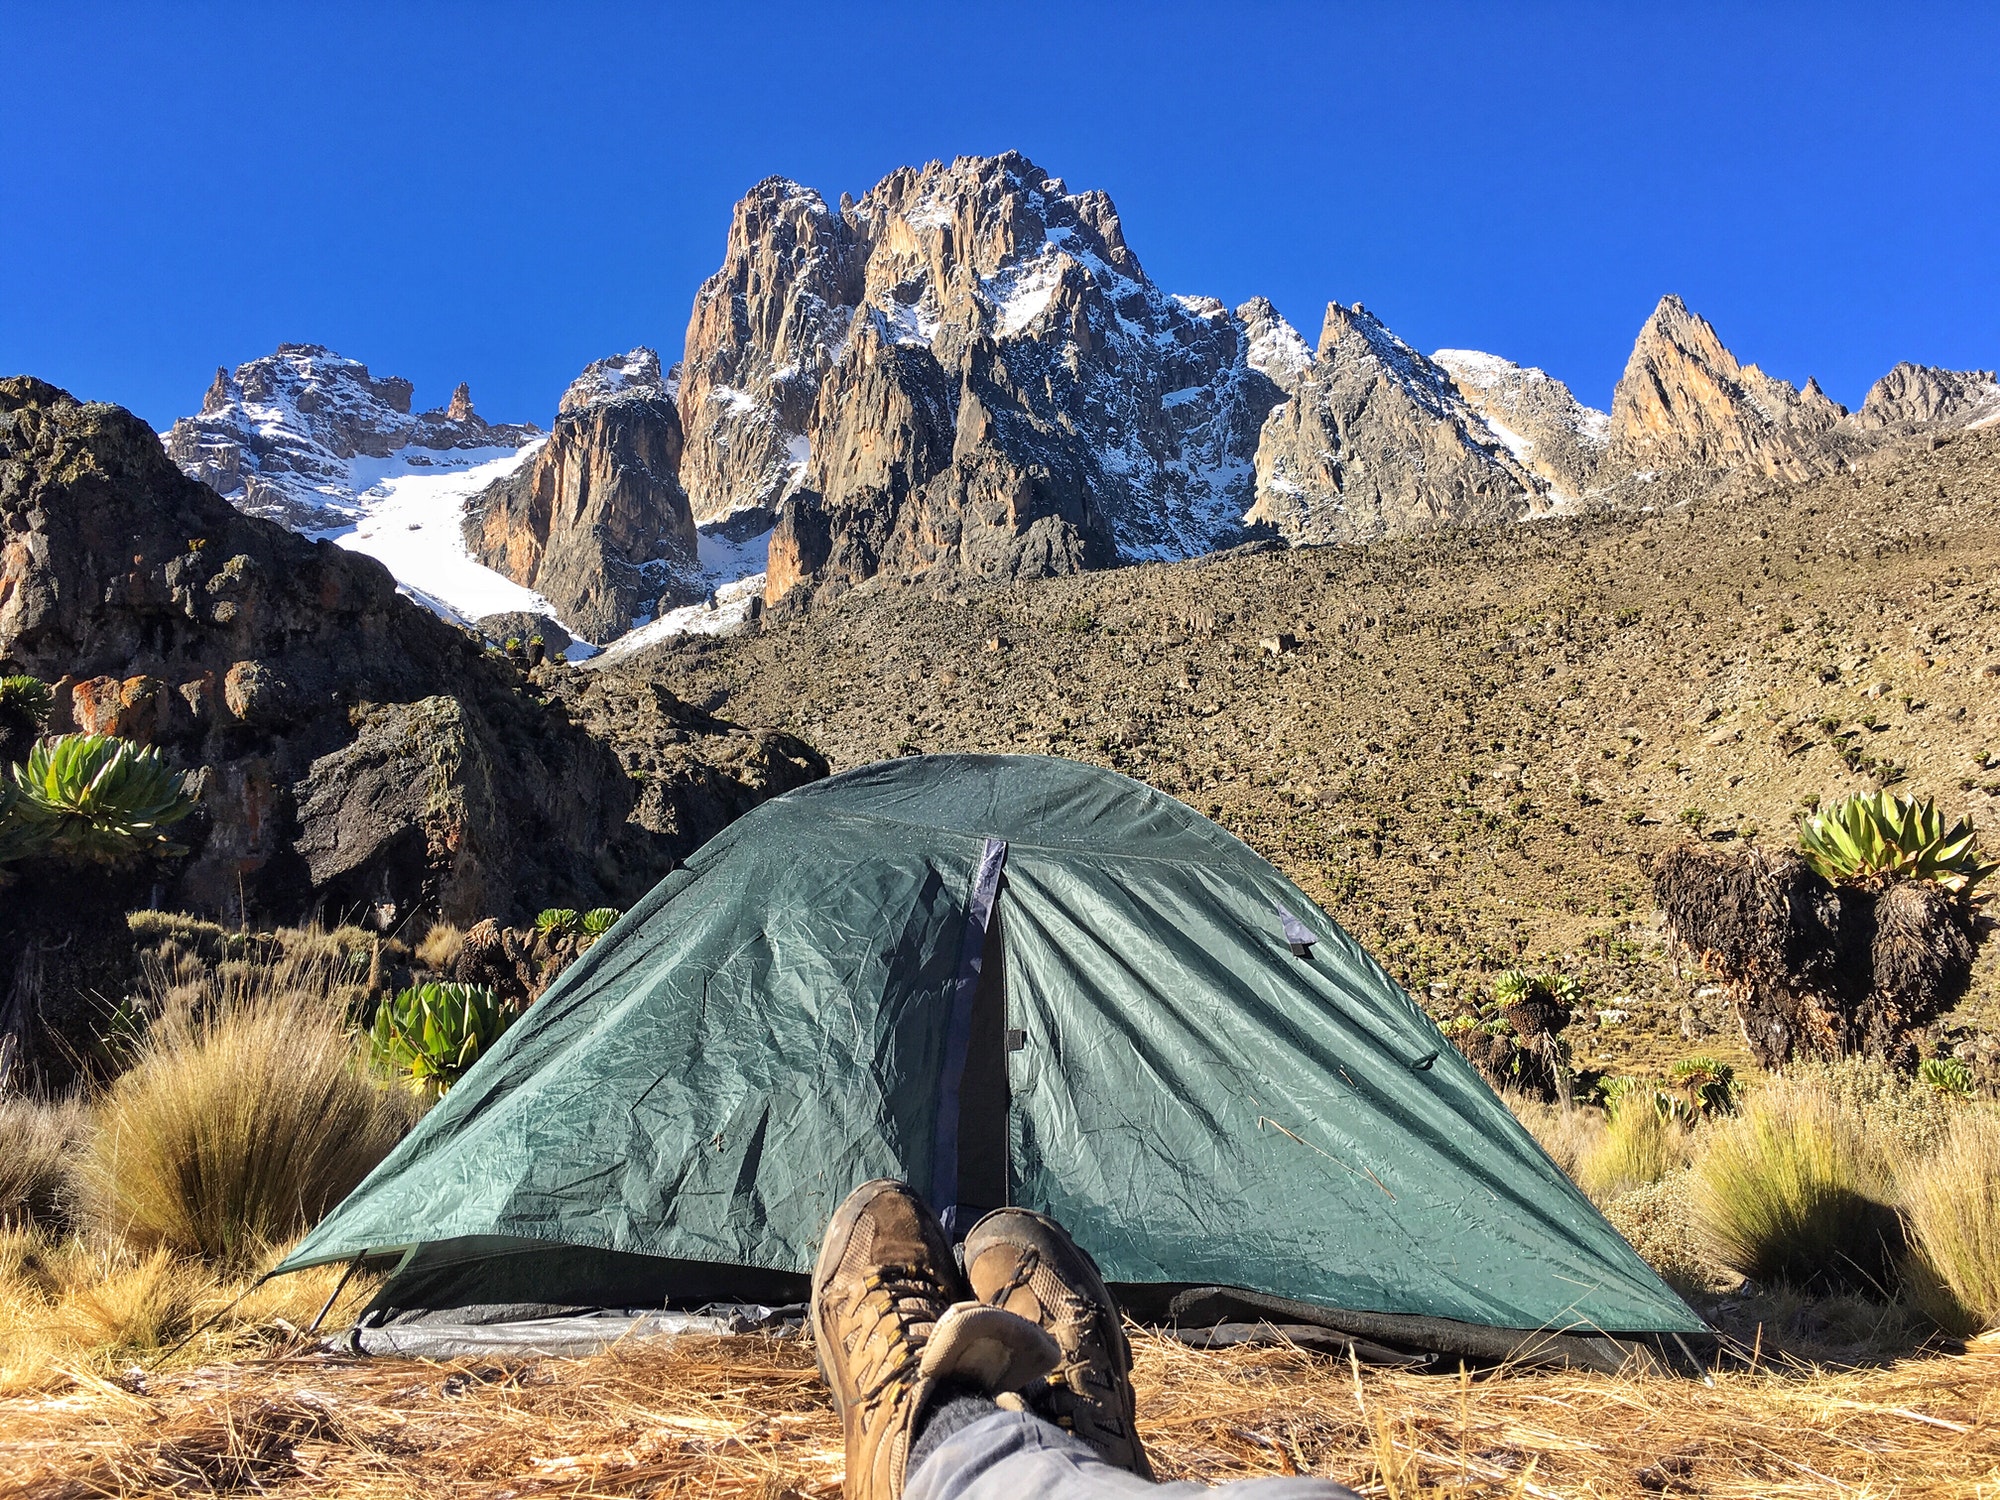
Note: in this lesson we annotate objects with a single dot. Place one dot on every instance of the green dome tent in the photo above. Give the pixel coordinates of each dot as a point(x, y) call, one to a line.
point(1006, 979)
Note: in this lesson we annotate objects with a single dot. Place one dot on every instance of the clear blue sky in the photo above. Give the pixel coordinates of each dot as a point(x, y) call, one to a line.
point(500, 193)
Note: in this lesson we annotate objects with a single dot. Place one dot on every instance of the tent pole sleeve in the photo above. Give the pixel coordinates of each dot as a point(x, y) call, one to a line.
point(979, 904)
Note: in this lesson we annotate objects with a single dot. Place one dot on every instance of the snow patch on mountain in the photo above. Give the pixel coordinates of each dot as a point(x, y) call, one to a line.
point(411, 521)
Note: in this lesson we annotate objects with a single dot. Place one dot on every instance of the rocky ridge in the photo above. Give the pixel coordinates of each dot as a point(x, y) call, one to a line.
point(280, 436)
point(1376, 441)
point(596, 521)
point(966, 374)
point(1913, 397)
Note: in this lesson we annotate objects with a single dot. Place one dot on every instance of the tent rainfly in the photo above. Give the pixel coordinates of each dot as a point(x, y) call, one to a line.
point(1005, 979)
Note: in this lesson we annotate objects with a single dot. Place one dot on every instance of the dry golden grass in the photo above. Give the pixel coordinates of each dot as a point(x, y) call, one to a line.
point(1637, 1149)
point(441, 945)
point(39, 1139)
point(1951, 1199)
point(243, 1117)
point(747, 1418)
point(1568, 1133)
point(80, 1310)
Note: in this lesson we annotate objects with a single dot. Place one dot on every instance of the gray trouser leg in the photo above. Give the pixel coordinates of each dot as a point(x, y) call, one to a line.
point(1014, 1456)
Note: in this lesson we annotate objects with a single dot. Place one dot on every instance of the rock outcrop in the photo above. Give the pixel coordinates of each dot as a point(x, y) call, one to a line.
point(1551, 433)
point(1684, 403)
point(354, 751)
point(764, 329)
point(281, 437)
point(597, 521)
point(966, 371)
point(1377, 441)
point(1912, 397)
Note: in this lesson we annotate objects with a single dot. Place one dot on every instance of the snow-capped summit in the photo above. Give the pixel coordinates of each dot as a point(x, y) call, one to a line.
point(617, 375)
point(298, 435)
point(310, 439)
point(1539, 419)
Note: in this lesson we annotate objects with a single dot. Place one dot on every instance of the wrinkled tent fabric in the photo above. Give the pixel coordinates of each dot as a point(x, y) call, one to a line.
point(788, 1016)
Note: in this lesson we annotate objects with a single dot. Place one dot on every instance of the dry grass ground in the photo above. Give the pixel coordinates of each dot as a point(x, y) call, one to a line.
point(748, 1418)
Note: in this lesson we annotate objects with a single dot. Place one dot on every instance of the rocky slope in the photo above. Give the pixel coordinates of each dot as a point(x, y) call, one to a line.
point(1376, 441)
point(290, 436)
point(355, 752)
point(597, 522)
point(965, 372)
point(1467, 746)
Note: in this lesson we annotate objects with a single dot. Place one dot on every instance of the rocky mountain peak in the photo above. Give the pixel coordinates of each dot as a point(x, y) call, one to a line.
point(1684, 402)
point(1912, 395)
point(286, 436)
point(1092, 415)
point(636, 373)
point(1377, 440)
point(1276, 349)
point(596, 521)
point(1538, 417)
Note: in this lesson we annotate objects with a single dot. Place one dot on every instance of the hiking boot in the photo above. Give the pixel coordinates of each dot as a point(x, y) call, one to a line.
point(1026, 1263)
point(893, 1330)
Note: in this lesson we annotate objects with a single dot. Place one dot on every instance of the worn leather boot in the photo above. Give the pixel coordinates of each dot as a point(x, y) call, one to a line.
point(894, 1328)
point(1026, 1263)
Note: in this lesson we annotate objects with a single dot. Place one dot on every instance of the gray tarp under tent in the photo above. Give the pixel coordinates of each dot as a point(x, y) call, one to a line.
point(1005, 979)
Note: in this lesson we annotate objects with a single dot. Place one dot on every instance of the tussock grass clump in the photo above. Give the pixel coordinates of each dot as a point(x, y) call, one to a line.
point(1793, 1191)
point(242, 1119)
point(1568, 1134)
point(441, 946)
point(1951, 1200)
point(38, 1145)
point(1639, 1147)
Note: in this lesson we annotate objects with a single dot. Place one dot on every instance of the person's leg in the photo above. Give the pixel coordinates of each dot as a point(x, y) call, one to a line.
point(895, 1331)
point(1026, 1263)
point(990, 1454)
